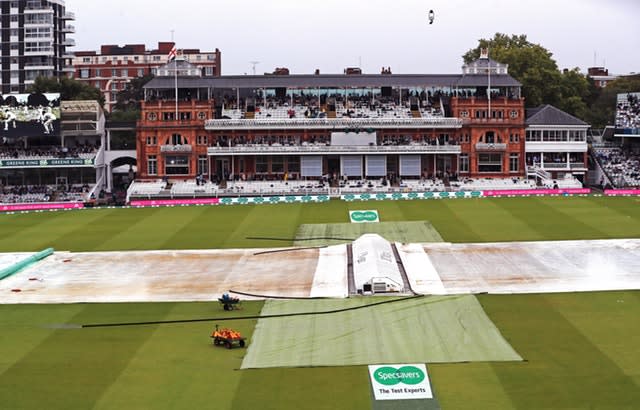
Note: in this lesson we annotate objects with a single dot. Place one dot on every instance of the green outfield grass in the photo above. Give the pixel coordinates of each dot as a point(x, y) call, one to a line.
point(580, 350)
point(468, 220)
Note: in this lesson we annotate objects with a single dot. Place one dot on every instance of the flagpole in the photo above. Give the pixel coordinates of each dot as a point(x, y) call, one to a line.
point(489, 82)
point(174, 54)
point(175, 76)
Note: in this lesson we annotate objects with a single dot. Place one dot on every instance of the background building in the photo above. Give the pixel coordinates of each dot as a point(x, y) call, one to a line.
point(339, 125)
point(114, 66)
point(600, 76)
point(34, 42)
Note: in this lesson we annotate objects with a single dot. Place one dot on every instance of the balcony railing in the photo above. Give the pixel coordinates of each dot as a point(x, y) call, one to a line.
point(259, 149)
point(337, 123)
point(176, 148)
point(483, 146)
point(564, 165)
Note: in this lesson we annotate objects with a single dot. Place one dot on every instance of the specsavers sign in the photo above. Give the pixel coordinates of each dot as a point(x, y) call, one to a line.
point(400, 381)
point(364, 216)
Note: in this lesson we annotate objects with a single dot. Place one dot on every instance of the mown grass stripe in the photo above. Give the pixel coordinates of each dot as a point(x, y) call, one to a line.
point(620, 224)
point(450, 219)
point(628, 207)
point(565, 369)
point(91, 236)
point(24, 327)
point(547, 217)
point(261, 221)
point(52, 229)
point(71, 368)
point(150, 230)
point(469, 386)
point(318, 388)
point(469, 220)
point(178, 367)
point(12, 224)
point(603, 322)
point(496, 219)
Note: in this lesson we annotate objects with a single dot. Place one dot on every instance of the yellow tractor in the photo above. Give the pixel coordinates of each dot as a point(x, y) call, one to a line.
point(227, 338)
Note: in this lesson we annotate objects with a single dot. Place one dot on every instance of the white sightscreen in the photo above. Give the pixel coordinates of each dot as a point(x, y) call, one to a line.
point(351, 165)
point(410, 165)
point(310, 166)
point(376, 166)
point(353, 138)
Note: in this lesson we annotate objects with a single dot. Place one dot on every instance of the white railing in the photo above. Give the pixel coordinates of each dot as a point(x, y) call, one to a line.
point(483, 146)
point(538, 172)
point(319, 148)
point(362, 123)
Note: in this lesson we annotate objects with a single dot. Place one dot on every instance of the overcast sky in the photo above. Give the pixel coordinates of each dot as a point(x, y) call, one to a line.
point(333, 34)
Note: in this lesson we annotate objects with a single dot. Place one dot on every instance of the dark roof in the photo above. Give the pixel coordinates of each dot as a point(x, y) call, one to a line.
point(550, 115)
point(482, 80)
point(334, 80)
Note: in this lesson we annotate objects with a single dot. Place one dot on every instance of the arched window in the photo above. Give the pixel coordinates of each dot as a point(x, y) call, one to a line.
point(489, 137)
point(176, 139)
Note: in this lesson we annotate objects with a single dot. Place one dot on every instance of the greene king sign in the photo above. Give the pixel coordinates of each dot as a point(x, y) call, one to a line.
point(364, 216)
point(400, 381)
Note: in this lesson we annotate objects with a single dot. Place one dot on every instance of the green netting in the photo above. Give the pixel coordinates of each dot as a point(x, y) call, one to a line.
point(435, 329)
point(333, 234)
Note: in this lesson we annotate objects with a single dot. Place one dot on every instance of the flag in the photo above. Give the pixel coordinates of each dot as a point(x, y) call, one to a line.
point(172, 53)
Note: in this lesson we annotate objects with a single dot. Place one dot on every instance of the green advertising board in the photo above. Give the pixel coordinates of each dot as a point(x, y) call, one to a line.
point(47, 163)
point(395, 196)
point(367, 216)
point(259, 200)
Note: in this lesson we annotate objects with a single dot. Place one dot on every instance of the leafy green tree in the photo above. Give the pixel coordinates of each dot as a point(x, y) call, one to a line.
point(602, 111)
point(129, 98)
point(69, 89)
point(127, 106)
point(529, 63)
point(576, 93)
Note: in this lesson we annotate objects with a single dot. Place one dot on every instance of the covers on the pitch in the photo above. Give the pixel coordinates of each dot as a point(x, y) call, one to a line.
point(421, 330)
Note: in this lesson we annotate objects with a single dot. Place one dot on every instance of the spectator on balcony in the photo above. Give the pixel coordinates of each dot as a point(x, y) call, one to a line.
point(47, 120)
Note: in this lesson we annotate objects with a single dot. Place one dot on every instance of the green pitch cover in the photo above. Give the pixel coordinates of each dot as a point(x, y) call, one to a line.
point(433, 329)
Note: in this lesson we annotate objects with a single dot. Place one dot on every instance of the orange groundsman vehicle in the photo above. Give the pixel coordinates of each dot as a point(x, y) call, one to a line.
point(227, 337)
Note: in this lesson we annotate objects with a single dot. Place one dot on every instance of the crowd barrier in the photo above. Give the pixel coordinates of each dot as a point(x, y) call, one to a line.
point(619, 192)
point(410, 195)
point(255, 200)
point(528, 192)
point(258, 200)
point(168, 202)
point(40, 206)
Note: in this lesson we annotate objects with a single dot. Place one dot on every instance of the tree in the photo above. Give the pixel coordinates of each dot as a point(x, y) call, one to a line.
point(576, 93)
point(602, 111)
point(129, 98)
point(529, 63)
point(68, 88)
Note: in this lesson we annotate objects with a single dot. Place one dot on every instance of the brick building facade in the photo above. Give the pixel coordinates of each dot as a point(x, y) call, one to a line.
point(114, 66)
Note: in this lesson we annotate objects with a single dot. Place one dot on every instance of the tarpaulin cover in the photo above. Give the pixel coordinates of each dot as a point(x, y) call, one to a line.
point(435, 329)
